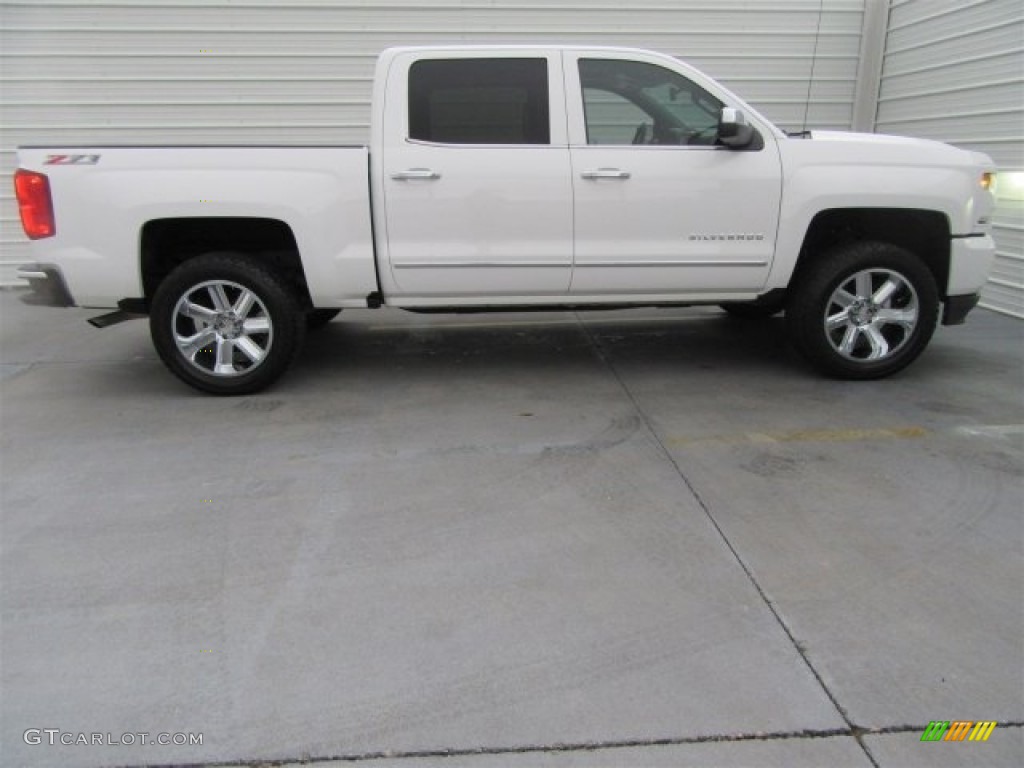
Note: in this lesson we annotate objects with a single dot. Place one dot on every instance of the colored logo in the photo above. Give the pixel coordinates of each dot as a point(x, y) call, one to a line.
point(958, 730)
point(72, 159)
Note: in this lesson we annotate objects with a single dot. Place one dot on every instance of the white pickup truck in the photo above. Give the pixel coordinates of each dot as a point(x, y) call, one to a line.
point(504, 177)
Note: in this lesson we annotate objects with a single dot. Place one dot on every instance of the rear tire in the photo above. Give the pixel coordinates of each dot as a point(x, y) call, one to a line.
point(864, 310)
point(226, 325)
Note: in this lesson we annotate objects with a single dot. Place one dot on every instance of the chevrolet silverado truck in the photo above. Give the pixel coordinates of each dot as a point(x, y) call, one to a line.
point(517, 177)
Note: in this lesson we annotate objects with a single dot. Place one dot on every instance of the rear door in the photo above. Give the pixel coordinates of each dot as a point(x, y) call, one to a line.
point(476, 177)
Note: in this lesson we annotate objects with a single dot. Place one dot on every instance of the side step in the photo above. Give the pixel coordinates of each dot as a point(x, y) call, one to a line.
point(128, 309)
point(113, 318)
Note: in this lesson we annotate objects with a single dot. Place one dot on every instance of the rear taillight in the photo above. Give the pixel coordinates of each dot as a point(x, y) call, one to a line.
point(35, 204)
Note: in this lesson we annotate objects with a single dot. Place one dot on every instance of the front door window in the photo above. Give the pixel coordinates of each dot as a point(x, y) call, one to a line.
point(632, 102)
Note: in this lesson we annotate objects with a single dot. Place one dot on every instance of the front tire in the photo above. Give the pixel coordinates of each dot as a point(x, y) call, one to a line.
point(226, 325)
point(864, 311)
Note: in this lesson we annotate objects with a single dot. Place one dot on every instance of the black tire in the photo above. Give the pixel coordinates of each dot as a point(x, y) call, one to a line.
point(864, 310)
point(318, 318)
point(243, 320)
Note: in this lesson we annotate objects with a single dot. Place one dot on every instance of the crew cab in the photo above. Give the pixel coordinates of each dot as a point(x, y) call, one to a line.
point(514, 177)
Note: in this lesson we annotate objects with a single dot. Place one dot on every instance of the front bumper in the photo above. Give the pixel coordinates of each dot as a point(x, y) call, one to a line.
point(970, 260)
point(46, 285)
point(955, 309)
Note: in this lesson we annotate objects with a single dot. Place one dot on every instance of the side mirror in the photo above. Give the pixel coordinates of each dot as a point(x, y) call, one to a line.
point(733, 130)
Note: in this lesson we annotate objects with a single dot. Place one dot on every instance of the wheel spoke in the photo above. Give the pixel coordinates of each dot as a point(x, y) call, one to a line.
point(849, 340)
point(879, 345)
point(225, 356)
point(250, 349)
point(843, 298)
point(219, 297)
point(907, 318)
point(863, 281)
point(883, 294)
point(256, 325)
point(838, 320)
point(199, 313)
point(190, 345)
point(244, 303)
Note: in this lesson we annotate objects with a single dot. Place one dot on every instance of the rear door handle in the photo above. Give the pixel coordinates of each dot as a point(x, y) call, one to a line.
point(605, 173)
point(416, 173)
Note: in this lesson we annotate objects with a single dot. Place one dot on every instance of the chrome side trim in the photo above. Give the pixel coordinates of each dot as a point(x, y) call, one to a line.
point(673, 263)
point(566, 265)
point(479, 264)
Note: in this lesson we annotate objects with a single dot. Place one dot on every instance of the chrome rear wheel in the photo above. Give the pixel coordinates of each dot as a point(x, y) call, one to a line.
point(222, 328)
point(226, 324)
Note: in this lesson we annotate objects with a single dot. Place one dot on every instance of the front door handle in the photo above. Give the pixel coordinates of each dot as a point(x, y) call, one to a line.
point(416, 173)
point(605, 173)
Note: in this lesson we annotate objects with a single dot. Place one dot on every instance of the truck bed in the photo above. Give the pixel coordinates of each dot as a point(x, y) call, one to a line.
point(320, 193)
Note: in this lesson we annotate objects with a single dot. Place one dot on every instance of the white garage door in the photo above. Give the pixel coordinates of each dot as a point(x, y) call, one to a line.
point(954, 71)
point(265, 71)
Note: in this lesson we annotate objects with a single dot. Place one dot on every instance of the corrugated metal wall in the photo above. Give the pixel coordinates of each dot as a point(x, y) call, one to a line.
point(954, 71)
point(259, 71)
point(264, 71)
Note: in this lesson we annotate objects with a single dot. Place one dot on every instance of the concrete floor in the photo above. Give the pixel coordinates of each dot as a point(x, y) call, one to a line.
point(636, 538)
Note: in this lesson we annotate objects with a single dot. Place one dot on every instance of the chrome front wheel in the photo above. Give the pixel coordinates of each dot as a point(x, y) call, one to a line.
point(872, 315)
point(863, 310)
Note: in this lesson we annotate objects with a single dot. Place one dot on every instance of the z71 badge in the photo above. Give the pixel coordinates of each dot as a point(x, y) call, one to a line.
point(72, 159)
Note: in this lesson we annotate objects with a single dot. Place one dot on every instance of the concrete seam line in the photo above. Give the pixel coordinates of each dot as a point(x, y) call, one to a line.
point(595, 746)
point(800, 648)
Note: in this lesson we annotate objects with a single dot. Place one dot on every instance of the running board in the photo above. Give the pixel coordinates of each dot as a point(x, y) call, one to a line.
point(113, 318)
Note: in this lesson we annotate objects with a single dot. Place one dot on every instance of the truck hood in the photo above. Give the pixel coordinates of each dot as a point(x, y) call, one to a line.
point(832, 170)
point(880, 145)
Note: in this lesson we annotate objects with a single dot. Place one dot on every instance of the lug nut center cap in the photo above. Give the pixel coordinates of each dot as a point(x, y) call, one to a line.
point(228, 326)
point(863, 312)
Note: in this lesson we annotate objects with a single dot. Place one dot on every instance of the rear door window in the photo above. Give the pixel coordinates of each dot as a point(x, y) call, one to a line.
point(479, 101)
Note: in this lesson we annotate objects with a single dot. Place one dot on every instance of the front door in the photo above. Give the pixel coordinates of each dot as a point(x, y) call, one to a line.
point(661, 208)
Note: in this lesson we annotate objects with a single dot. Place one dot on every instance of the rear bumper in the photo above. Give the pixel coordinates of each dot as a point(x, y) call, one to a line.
point(46, 285)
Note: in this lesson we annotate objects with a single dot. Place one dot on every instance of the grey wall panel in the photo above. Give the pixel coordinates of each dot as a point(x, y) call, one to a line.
point(263, 71)
point(954, 71)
